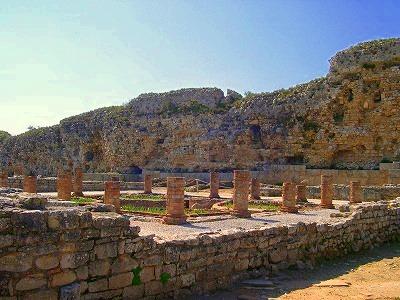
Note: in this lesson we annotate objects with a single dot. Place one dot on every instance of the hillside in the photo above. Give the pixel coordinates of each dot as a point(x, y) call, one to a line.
point(347, 119)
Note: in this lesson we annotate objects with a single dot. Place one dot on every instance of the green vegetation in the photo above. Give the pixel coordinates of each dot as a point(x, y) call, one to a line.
point(165, 277)
point(4, 135)
point(386, 160)
point(193, 107)
point(310, 126)
point(338, 117)
point(368, 66)
point(144, 196)
point(162, 210)
point(260, 205)
point(82, 200)
point(136, 276)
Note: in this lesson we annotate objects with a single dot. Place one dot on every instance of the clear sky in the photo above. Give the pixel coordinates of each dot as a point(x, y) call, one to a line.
point(60, 58)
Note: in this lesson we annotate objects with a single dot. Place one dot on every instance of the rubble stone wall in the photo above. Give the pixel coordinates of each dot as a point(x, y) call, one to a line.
point(56, 253)
point(50, 184)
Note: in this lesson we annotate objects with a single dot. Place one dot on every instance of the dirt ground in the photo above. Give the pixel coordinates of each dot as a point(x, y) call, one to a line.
point(373, 274)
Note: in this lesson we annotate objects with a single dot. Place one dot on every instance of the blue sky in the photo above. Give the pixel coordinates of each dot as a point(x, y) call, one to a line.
point(60, 58)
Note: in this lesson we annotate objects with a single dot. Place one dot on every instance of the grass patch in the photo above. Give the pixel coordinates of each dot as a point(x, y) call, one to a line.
point(82, 200)
point(162, 210)
point(144, 196)
point(252, 205)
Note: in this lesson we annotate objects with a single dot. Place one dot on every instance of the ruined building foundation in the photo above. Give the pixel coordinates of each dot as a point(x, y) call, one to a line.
point(112, 194)
point(175, 201)
point(64, 185)
point(30, 184)
point(214, 185)
point(255, 189)
point(326, 191)
point(241, 181)
point(288, 198)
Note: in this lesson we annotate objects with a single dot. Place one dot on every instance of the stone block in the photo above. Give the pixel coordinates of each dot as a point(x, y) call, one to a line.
point(106, 250)
point(31, 282)
point(63, 278)
point(98, 285)
point(133, 292)
point(63, 219)
point(120, 280)
point(74, 260)
point(147, 274)
point(123, 263)
point(99, 268)
point(16, 262)
point(47, 262)
point(51, 294)
point(6, 240)
point(70, 292)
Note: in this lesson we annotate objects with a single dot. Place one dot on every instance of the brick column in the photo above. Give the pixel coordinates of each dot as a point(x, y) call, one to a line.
point(4, 179)
point(255, 189)
point(64, 185)
point(355, 193)
point(214, 185)
point(112, 194)
point(148, 183)
point(78, 183)
point(288, 198)
point(30, 185)
point(326, 191)
point(175, 201)
point(301, 193)
point(241, 180)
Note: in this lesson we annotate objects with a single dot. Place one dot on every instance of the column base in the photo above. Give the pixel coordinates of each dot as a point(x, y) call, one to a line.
point(328, 206)
point(292, 210)
point(171, 220)
point(241, 214)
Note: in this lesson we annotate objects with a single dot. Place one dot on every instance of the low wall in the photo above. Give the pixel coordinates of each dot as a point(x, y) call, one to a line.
point(64, 253)
point(49, 184)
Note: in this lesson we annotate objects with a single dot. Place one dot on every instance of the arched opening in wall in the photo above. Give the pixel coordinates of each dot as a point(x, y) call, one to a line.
point(297, 159)
point(255, 133)
point(133, 169)
point(350, 95)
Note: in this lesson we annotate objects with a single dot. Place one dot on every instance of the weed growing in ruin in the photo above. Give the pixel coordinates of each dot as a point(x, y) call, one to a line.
point(165, 277)
point(136, 276)
point(153, 197)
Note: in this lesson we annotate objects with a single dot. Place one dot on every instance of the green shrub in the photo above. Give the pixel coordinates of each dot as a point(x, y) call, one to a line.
point(310, 126)
point(368, 66)
point(338, 117)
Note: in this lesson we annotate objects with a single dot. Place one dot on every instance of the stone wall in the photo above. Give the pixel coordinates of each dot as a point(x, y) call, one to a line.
point(49, 184)
point(56, 253)
point(369, 193)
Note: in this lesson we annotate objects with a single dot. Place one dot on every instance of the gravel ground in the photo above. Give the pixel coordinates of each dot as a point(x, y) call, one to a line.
point(226, 223)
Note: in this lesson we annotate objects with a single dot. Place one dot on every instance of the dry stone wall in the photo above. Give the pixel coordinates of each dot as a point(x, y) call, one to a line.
point(57, 253)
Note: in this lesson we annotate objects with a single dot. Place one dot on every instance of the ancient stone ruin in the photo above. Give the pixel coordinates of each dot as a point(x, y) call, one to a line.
point(183, 193)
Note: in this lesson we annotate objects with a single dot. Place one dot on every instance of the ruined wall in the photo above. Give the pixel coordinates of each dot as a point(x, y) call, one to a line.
point(50, 185)
point(51, 253)
point(348, 119)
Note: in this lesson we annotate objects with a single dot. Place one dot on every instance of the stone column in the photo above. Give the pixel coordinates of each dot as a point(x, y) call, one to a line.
point(214, 185)
point(64, 185)
point(4, 179)
point(112, 194)
point(175, 201)
point(288, 198)
point(148, 183)
point(355, 193)
point(326, 191)
point(255, 189)
point(78, 183)
point(241, 180)
point(30, 185)
point(301, 193)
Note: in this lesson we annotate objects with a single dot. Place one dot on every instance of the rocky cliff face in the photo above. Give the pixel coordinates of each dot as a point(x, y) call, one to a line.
point(348, 119)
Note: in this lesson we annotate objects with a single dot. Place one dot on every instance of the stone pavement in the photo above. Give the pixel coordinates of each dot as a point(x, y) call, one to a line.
point(225, 223)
